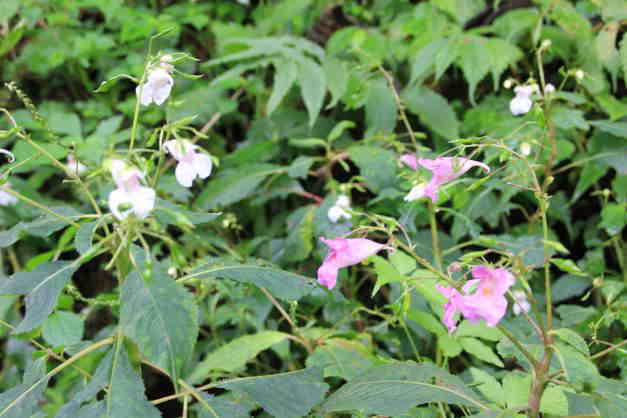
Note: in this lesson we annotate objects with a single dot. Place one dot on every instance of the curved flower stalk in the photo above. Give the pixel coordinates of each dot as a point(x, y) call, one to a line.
point(482, 298)
point(158, 85)
point(443, 170)
point(191, 163)
point(339, 210)
point(139, 200)
point(8, 153)
point(344, 252)
point(7, 199)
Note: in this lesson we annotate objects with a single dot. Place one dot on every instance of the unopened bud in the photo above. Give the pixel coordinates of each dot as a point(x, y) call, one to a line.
point(525, 149)
point(546, 44)
point(549, 180)
point(579, 75)
point(549, 88)
point(606, 193)
point(172, 271)
point(508, 83)
point(166, 58)
point(598, 282)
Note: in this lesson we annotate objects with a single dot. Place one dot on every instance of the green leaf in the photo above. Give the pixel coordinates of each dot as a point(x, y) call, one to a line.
point(284, 77)
point(433, 110)
point(285, 395)
point(337, 76)
point(299, 242)
point(393, 389)
point(567, 118)
point(84, 236)
point(24, 399)
point(233, 185)
point(449, 346)
point(126, 397)
point(342, 358)
point(568, 266)
point(107, 84)
point(479, 330)
point(42, 287)
point(300, 167)
point(25, 151)
point(42, 226)
point(169, 213)
point(160, 315)
point(573, 338)
point(217, 407)
point(376, 165)
point(516, 388)
point(613, 218)
point(554, 402)
point(282, 284)
point(234, 355)
point(63, 328)
point(313, 85)
point(386, 273)
point(381, 111)
point(569, 286)
point(488, 386)
point(480, 350)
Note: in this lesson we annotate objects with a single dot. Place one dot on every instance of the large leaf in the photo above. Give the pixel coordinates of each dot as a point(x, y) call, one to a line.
point(282, 284)
point(23, 400)
point(216, 407)
point(236, 354)
point(381, 111)
point(313, 85)
point(41, 287)
point(284, 77)
point(433, 110)
point(376, 165)
point(285, 395)
point(126, 397)
point(43, 226)
point(234, 185)
point(393, 389)
point(160, 315)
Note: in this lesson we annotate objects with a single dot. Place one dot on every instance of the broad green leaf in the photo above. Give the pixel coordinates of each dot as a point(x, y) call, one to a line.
point(393, 389)
point(449, 346)
point(428, 322)
point(573, 338)
point(285, 72)
point(42, 287)
point(217, 407)
point(554, 402)
point(160, 315)
point(381, 111)
point(422, 63)
point(43, 226)
point(233, 185)
point(285, 395)
point(23, 400)
point(479, 330)
point(623, 56)
point(578, 369)
point(386, 273)
point(282, 284)
point(613, 218)
point(615, 128)
point(299, 241)
point(337, 76)
point(63, 328)
point(433, 110)
point(126, 397)
point(84, 236)
point(169, 213)
point(590, 174)
point(24, 151)
point(516, 388)
point(234, 355)
point(568, 18)
point(488, 386)
point(300, 167)
point(567, 118)
point(342, 358)
point(313, 86)
point(480, 350)
point(376, 165)
point(569, 286)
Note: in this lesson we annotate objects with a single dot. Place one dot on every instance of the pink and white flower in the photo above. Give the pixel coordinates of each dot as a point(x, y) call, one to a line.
point(157, 87)
point(344, 252)
point(443, 170)
point(521, 304)
point(130, 197)
point(482, 298)
point(339, 210)
point(192, 163)
point(522, 103)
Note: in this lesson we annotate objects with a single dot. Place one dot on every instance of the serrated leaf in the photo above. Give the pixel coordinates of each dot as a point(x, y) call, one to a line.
point(285, 395)
point(160, 315)
point(284, 78)
point(376, 165)
point(234, 355)
point(126, 397)
point(480, 350)
point(488, 386)
point(433, 110)
point(43, 226)
point(217, 407)
point(42, 287)
point(337, 77)
point(393, 389)
point(381, 111)
point(63, 328)
point(342, 358)
point(573, 338)
point(554, 402)
point(299, 241)
point(23, 400)
point(282, 284)
point(169, 213)
point(313, 86)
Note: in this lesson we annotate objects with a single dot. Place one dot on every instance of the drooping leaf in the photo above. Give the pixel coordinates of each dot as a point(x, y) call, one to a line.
point(42, 287)
point(285, 395)
point(282, 284)
point(43, 226)
point(160, 315)
point(480, 350)
point(284, 77)
point(234, 355)
point(126, 397)
point(313, 85)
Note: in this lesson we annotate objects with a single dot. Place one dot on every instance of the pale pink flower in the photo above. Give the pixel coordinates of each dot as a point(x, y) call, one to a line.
point(521, 304)
point(192, 163)
point(7, 199)
point(410, 161)
point(156, 88)
point(138, 199)
point(521, 103)
point(344, 252)
point(482, 298)
point(443, 170)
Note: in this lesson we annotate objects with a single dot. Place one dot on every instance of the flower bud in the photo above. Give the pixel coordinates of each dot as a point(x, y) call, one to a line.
point(549, 88)
point(508, 83)
point(172, 271)
point(525, 149)
point(579, 75)
point(546, 44)
point(454, 268)
point(598, 282)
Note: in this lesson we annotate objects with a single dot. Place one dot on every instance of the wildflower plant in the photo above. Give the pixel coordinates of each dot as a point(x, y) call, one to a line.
point(307, 216)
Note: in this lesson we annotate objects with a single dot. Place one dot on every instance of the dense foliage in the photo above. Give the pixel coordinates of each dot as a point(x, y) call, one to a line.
point(180, 172)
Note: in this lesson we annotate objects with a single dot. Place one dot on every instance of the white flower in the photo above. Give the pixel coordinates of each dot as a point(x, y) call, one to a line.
point(521, 304)
point(157, 88)
point(508, 83)
point(521, 103)
point(549, 88)
point(525, 149)
point(130, 196)
point(74, 166)
point(416, 192)
point(579, 75)
point(191, 164)
point(6, 199)
point(339, 210)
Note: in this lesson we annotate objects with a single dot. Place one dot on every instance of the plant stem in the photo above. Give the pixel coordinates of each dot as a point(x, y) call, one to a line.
point(37, 205)
point(437, 255)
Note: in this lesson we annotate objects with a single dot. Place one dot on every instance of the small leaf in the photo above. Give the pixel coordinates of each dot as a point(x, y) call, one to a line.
point(84, 236)
point(284, 77)
point(381, 111)
point(107, 84)
point(488, 385)
point(480, 350)
point(43, 226)
point(568, 266)
point(433, 110)
point(613, 218)
point(313, 86)
point(63, 328)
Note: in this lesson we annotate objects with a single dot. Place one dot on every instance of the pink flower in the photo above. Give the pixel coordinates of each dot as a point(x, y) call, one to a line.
point(443, 170)
point(130, 197)
point(482, 298)
point(192, 162)
point(344, 252)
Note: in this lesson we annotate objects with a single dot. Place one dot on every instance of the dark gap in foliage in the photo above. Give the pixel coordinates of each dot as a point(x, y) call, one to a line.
point(159, 385)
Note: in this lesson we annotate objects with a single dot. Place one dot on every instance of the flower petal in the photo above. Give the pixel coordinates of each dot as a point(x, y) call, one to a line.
point(116, 198)
point(185, 174)
point(143, 201)
point(410, 161)
point(202, 164)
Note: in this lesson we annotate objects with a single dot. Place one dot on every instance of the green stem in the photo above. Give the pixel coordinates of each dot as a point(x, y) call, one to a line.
point(437, 256)
point(37, 205)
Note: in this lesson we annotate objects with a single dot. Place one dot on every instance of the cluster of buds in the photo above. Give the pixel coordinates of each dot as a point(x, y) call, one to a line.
point(340, 209)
